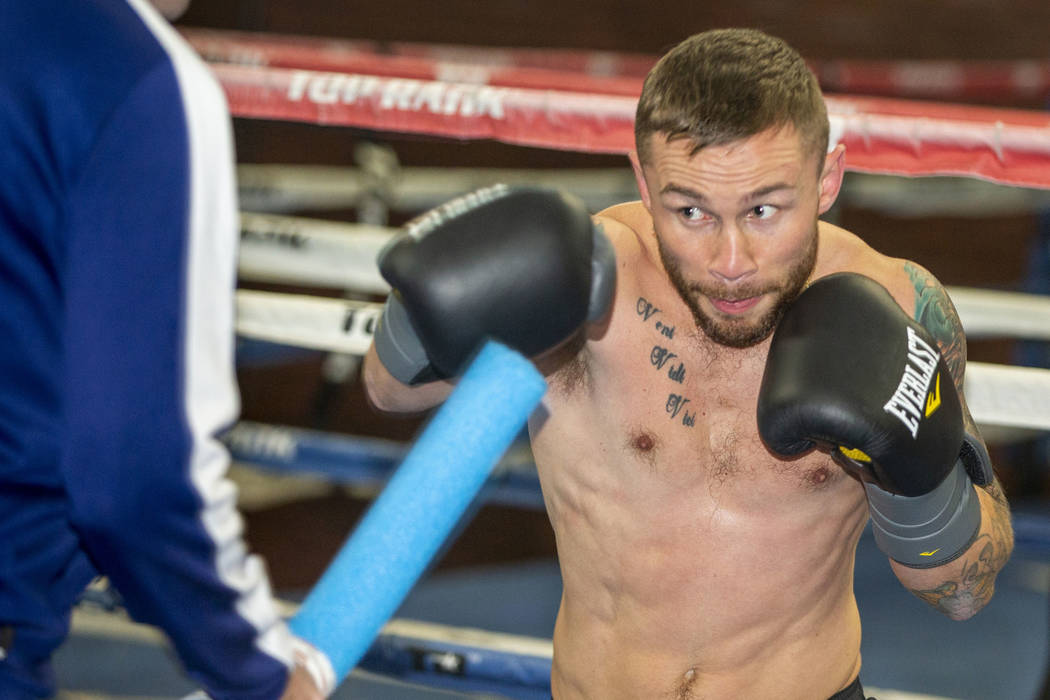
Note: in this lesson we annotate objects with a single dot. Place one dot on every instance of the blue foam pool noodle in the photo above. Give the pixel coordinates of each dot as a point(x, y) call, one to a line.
point(410, 519)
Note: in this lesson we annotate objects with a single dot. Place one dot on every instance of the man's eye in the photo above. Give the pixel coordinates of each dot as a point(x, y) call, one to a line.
point(691, 213)
point(763, 211)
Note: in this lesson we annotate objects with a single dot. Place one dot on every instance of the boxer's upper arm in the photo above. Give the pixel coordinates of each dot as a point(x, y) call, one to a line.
point(935, 311)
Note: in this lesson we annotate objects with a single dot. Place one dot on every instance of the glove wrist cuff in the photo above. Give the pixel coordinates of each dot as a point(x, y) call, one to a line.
point(399, 347)
point(928, 530)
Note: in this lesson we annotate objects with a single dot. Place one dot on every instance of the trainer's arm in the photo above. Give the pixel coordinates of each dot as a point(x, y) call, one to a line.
point(964, 585)
point(388, 394)
point(150, 383)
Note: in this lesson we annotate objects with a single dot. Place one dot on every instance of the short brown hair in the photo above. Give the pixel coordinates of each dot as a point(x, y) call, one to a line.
point(724, 85)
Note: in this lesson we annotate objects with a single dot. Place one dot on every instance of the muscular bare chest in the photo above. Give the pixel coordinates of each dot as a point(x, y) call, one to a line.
point(663, 497)
point(659, 402)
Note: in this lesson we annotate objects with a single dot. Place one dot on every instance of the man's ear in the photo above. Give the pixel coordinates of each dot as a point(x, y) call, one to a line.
point(831, 177)
point(639, 179)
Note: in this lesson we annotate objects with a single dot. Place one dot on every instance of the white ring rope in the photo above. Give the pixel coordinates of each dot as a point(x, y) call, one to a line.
point(993, 314)
point(997, 394)
point(288, 188)
point(280, 189)
point(286, 249)
point(94, 622)
point(318, 323)
point(1002, 395)
point(954, 197)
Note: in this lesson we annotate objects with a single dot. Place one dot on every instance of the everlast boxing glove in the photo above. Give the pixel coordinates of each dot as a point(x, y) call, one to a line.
point(522, 265)
point(850, 372)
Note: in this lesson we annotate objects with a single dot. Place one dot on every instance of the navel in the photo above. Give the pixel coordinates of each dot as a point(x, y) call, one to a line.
point(684, 691)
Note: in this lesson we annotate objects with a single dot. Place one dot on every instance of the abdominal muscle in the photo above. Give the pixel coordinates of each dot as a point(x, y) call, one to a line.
point(683, 582)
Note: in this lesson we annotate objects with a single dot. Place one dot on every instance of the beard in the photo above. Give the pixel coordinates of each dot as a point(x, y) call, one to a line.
point(738, 332)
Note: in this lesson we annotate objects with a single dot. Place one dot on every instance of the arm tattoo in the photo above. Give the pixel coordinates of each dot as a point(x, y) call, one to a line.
point(964, 595)
point(935, 311)
point(973, 588)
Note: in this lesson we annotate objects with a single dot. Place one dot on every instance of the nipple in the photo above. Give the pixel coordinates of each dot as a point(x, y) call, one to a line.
point(819, 475)
point(643, 442)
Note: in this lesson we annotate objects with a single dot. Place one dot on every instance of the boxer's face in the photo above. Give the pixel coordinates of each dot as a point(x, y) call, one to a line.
point(736, 226)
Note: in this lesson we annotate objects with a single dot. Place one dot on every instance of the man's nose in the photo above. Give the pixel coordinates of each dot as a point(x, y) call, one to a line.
point(733, 257)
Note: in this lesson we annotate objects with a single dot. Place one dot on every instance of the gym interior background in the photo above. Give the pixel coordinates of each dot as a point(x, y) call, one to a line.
point(994, 249)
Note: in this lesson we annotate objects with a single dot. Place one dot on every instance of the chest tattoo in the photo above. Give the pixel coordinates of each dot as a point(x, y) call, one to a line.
point(666, 362)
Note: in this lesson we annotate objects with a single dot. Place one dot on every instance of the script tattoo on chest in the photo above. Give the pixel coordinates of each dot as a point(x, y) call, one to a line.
point(664, 360)
point(661, 356)
point(675, 404)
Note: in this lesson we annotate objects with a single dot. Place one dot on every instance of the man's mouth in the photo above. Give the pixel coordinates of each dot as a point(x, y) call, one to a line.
point(735, 306)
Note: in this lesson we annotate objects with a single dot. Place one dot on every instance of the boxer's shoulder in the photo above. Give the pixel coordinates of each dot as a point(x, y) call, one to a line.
point(843, 251)
point(627, 225)
point(626, 213)
point(569, 368)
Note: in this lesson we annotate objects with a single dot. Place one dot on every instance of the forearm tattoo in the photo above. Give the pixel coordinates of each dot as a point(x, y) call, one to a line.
point(972, 588)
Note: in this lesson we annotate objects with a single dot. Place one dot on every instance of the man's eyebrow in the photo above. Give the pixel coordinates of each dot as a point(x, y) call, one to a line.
point(684, 191)
point(762, 192)
point(754, 196)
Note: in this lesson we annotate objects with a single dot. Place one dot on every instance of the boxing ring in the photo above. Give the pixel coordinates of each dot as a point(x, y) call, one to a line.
point(580, 102)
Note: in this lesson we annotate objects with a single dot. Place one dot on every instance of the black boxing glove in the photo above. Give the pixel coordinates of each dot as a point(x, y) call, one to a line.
point(850, 372)
point(522, 265)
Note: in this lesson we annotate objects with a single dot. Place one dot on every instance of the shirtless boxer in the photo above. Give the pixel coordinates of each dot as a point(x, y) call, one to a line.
point(699, 561)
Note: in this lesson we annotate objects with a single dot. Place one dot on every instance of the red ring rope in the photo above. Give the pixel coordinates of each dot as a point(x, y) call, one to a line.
point(881, 135)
